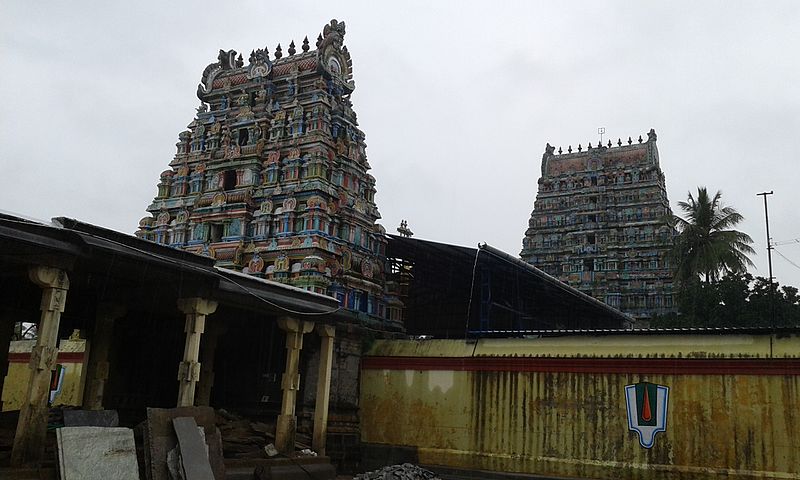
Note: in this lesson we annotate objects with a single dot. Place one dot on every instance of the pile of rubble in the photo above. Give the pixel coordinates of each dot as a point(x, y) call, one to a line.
point(242, 438)
point(406, 471)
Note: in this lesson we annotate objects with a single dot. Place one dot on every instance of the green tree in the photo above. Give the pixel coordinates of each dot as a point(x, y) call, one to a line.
point(707, 244)
point(735, 300)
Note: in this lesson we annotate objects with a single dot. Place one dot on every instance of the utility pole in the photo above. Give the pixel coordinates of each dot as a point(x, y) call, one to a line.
point(769, 260)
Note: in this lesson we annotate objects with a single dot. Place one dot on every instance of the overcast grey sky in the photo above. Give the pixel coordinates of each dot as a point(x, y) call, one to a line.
point(457, 101)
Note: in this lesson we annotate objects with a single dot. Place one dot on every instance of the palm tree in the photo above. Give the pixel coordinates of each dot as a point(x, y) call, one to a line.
point(707, 245)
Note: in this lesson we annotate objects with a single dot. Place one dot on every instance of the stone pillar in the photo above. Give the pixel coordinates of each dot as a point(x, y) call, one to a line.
point(32, 425)
point(196, 310)
point(99, 348)
point(206, 383)
point(326, 333)
point(287, 421)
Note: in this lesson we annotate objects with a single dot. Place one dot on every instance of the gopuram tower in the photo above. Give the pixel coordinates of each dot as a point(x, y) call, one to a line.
point(271, 177)
point(599, 224)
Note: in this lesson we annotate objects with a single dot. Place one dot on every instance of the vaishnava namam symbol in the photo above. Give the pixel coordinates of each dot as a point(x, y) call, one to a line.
point(647, 410)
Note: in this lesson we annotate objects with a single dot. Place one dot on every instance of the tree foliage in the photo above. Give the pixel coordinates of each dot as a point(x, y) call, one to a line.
point(735, 300)
point(713, 286)
point(707, 244)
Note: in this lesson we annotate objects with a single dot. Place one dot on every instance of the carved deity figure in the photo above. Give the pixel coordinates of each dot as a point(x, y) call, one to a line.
point(548, 152)
point(238, 254)
point(199, 132)
point(332, 34)
point(256, 264)
point(289, 204)
point(282, 263)
point(226, 138)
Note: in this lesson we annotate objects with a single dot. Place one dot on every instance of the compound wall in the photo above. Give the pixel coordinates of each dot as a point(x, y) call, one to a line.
point(557, 406)
point(67, 381)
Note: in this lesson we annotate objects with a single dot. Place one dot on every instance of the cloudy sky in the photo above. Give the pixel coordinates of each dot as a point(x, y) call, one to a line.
point(457, 101)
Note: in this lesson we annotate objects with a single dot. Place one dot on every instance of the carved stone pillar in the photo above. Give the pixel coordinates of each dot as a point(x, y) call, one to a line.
point(196, 310)
point(213, 331)
point(32, 425)
point(99, 348)
point(326, 333)
point(287, 421)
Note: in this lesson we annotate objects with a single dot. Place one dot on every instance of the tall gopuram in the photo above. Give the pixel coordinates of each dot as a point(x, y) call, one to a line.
point(271, 177)
point(599, 224)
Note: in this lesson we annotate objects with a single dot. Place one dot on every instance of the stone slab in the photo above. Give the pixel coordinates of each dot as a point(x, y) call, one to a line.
point(160, 438)
point(194, 455)
point(91, 418)
point(97, 453)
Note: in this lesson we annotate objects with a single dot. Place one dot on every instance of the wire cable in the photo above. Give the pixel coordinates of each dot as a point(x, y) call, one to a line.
point(784, 257)
point(786, 242)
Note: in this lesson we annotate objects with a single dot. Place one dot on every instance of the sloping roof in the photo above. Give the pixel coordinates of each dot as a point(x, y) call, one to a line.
point(456, 291)
point(69, 243)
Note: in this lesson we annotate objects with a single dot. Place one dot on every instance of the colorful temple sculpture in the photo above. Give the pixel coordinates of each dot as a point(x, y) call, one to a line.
point(271, 178)
point(599, 224)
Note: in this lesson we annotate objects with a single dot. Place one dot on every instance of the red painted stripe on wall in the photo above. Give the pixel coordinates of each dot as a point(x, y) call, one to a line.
point(63, 357)
point(662, 366)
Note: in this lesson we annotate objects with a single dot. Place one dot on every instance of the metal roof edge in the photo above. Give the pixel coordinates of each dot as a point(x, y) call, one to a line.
point(555, 282)
point(647, 331)
point(277, 285)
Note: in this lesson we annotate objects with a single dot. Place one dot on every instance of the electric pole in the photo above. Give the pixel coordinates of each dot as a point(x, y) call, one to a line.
point(769, 261)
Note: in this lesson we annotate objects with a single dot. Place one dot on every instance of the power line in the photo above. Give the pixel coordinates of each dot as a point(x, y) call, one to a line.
point(784, 257)
point(786, 242)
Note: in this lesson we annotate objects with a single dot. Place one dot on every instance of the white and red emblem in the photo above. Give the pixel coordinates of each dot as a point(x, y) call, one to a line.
point(647, 410)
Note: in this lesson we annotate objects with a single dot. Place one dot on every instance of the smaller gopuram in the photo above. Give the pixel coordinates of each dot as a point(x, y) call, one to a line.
point(271, 177)
point(599, 223)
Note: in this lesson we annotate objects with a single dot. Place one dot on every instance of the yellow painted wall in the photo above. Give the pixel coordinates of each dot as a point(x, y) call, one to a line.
point(16, 381)
point(575, 424)
point(609, 346)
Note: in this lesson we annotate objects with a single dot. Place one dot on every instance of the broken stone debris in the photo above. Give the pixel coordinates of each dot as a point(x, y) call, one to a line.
point(270, 450)
point(192, 450)
point(243, 438)
point(160, 438)
point(166, 454)
point(406, 471)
